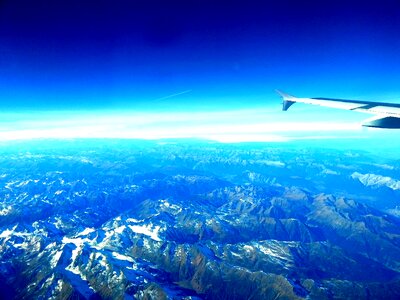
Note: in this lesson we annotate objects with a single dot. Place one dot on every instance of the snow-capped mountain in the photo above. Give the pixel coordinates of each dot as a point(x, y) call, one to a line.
point(148, 221)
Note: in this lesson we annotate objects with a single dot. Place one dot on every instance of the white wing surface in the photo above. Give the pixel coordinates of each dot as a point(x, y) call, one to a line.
point(387, 115)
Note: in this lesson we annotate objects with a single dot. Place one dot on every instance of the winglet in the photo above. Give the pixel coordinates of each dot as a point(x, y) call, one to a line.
point(288, 100)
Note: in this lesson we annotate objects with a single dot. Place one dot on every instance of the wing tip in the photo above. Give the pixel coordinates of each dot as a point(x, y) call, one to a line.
point(287, 100)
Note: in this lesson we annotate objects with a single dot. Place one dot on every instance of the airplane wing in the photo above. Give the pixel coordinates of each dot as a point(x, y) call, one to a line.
point(386, 115)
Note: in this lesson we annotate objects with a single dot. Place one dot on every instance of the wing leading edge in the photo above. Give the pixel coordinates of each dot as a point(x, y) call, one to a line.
point(387, 115)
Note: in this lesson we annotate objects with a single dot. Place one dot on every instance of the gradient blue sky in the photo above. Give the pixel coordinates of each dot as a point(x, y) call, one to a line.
point(81, 56)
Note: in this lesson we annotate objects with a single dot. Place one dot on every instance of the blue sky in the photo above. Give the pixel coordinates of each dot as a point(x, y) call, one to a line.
point(80, 59)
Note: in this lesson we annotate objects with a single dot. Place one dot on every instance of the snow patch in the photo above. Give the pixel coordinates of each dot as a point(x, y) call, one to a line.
point(57, 289)
point(273, 163)
point(78, 242)
point(375, 180)
point(120, 229)
point(23, 245)
point(132, 220)
point(236, 254)
point(10, 184)
point(266, 251)
point(5, 210)
point(48, 281)
point(248, 248)
point(54, 260)
point(168, 205)
point(147, 230)
point(330, 172)
point(86, 231)
point(122, 257)
point(134, 267)
point(7, 233)
point(58, 223)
